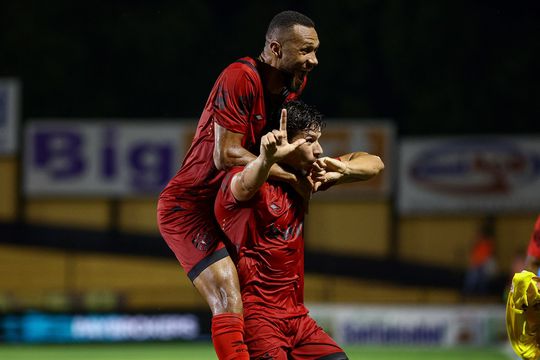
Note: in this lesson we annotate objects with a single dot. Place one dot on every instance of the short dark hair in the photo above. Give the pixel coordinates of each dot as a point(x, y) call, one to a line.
point(287, 19)
point(302, 117)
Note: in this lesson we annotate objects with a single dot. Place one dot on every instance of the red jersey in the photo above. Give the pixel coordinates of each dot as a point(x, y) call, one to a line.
point(237, 103)
point(534, 243)
point(268, 229)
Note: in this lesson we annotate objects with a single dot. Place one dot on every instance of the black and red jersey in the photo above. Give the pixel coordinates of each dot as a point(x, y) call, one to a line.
point(237, 103)
point(268, 230)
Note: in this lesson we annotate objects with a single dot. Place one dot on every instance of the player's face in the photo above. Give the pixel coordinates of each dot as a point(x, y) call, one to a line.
point(298, 54)
point(306, 154)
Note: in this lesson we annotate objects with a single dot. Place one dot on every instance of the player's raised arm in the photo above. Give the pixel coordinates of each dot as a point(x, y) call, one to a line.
point(274, 147)
point(229, 152)
point(357, 166)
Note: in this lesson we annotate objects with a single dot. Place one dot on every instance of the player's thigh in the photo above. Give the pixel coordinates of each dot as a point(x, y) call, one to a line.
point(192, 234)
point(313, 343)
point(265, 339)
point(199, 245)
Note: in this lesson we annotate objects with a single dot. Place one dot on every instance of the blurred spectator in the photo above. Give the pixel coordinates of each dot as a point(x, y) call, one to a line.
point(526, 258)
point(482, 266)
point(518, 262)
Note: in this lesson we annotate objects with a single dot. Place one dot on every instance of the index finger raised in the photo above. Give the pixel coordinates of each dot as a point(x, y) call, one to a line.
point(283, 120)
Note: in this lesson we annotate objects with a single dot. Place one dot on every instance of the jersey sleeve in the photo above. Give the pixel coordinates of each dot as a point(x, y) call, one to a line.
point(534, 243)
point(233, 216)
point(234, 99)
point(225, 199)
point(226, 204)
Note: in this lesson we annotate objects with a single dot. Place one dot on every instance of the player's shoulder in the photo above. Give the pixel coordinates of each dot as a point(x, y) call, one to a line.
point(274, 190)
point(246, 65)
point(231, 173)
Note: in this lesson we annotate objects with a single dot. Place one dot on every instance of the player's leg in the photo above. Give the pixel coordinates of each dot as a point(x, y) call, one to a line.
point(218, 284)
point(312, 343)
point(199, 247)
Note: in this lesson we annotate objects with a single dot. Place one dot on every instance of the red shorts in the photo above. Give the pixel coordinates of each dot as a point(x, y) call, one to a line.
point(273, 338)
point(191, 231)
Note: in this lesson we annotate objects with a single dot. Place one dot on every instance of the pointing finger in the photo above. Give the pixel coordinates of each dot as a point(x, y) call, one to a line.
point(283, 120)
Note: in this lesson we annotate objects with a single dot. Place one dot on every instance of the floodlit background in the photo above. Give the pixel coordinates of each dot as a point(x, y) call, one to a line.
point(99, 101)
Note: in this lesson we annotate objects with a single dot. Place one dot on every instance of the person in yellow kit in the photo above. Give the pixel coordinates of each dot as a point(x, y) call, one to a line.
point(523, 304)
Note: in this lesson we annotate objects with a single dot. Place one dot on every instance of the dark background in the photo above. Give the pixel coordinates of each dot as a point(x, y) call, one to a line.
point(435, 67)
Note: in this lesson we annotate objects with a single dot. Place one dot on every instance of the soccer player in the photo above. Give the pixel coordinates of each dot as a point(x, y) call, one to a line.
point(239, 107)
point(265, 219)
point(523, 305)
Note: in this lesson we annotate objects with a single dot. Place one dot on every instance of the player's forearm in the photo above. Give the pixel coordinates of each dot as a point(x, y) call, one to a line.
point(228, 149)
point(360, 166)
point(232, 156)
point(246, 183)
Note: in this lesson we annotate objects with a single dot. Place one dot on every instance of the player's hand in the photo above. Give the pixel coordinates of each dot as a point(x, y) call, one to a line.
point(275, 145)
point(326, 170)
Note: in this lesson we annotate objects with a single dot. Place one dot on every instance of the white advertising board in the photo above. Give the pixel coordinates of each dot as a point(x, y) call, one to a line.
point(469, 174)
point(412, 325)
point(96, 158)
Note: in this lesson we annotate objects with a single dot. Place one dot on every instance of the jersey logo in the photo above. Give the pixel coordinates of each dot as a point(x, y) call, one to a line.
point(275, 207)
point(274, 232)
point(202, 241)
point(258, 117)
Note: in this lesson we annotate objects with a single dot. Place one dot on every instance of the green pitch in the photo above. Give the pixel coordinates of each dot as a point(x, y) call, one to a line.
point(204, 351)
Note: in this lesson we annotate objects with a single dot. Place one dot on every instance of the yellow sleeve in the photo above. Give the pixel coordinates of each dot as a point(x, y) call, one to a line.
point(523, 315)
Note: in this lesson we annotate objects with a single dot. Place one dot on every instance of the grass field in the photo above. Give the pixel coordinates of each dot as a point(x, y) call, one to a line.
point(204, 351)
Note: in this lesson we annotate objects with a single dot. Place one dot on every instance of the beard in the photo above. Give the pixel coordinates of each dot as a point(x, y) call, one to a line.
point(296, 81)
point(293, 77)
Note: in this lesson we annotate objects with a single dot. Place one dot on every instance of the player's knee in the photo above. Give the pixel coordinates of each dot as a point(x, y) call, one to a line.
point(218, 284)
point(232, 300)
point(225, 299)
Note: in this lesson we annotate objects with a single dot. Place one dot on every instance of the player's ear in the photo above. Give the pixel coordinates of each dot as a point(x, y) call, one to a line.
point(275, 47)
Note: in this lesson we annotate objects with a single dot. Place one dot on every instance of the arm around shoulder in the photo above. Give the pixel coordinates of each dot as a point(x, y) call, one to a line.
point(228, 149)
